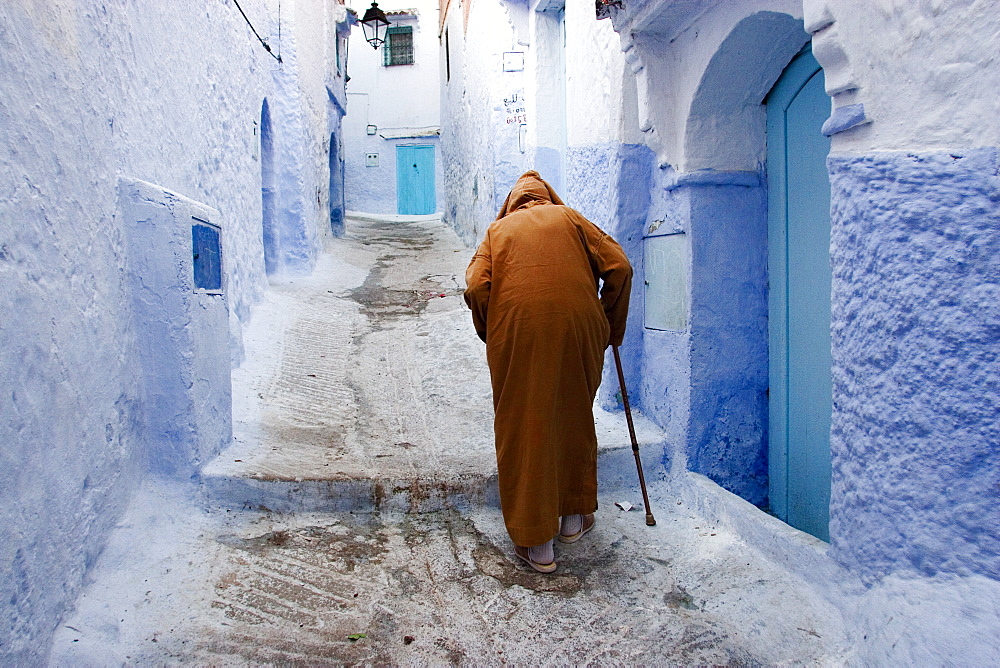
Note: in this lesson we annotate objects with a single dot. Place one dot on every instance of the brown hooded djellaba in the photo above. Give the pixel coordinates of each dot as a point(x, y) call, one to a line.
point(533, 290)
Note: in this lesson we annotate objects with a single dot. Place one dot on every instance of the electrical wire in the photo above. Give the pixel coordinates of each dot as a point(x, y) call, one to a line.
point(257, 35)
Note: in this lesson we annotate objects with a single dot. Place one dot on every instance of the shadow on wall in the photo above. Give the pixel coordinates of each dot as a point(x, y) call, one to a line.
point(336, 189)
point(268, 187)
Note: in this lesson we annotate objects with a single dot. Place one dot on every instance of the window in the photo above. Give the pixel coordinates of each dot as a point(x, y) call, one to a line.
point(398, 49)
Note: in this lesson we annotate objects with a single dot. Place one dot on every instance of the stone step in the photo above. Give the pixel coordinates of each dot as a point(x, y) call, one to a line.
point(272, 480)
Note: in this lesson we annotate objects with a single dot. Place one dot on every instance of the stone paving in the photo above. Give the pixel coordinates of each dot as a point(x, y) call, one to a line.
point(354, 520)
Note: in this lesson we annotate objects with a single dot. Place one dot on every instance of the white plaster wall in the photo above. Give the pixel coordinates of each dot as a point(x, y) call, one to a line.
point(400, 96)
point(314, 30)
point(303, 115)
point(670, 51)
point(168, 93)
point(927, 72)
point(545, 95)
point(594, 76)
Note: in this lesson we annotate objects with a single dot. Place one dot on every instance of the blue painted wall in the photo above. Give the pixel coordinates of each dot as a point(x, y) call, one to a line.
point(630, 168)
point(92, 93)
point(728, 431)
point(916, 344)
point(589, 179)
point(707, 386)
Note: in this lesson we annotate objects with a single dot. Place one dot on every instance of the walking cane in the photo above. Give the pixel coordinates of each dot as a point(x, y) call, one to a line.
point(650, 520)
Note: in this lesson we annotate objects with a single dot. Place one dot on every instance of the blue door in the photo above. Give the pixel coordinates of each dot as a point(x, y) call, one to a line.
point(415, 180)
point(799, 308)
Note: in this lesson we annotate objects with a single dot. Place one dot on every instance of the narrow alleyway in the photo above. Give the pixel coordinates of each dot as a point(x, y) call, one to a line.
point(355, 521)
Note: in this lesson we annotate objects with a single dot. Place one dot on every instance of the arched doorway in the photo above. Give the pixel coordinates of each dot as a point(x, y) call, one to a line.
point(267, 191)
point(336, 189)
point(799, 297)
point(720, 196)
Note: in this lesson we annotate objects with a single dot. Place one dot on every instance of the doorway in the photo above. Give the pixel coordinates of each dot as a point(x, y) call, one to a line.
point(799, 298)
point(415, 180)
point(336, 189)
point(268, 191)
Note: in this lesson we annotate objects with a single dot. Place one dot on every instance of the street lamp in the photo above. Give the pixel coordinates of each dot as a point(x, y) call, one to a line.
point(374, 24)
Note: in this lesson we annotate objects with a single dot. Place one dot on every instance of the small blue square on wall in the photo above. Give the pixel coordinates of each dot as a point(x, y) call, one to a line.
point(206, 248)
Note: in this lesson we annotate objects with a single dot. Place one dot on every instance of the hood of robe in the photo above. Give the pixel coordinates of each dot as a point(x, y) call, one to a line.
point(531, 189)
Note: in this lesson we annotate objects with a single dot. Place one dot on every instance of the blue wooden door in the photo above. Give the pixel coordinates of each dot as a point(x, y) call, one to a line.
point(799, 308)
point(415, 180)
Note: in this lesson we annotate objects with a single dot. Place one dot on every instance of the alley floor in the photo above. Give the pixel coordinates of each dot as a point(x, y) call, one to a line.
point(354, 520)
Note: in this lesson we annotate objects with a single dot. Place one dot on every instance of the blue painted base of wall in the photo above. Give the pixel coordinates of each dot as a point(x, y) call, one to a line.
point(729, 372)
point(916, 350)
point(631, 168)
point(589, 171)
point(707, 386)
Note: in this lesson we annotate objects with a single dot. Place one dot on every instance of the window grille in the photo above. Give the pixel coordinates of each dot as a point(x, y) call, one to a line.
point(398, 49)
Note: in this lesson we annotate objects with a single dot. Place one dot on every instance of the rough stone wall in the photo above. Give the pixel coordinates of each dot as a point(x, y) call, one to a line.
point(916, 343)
point(164, 92)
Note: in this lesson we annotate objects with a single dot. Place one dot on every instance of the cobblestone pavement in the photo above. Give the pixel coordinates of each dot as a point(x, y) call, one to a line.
point(353, 522)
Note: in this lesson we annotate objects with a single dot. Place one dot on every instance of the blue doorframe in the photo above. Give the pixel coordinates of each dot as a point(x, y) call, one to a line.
point(415, 180)
point(799, 298)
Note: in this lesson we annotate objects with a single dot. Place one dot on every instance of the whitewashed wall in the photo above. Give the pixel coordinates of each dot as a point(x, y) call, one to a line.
point(165, 93)
point(926, 72)
point(481, 150)
point(595, 71)
point(914, 198)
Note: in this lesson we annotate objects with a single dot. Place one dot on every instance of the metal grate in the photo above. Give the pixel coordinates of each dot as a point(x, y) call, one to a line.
point(398, 49)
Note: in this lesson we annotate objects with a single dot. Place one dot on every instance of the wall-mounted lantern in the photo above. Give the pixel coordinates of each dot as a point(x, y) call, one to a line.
point(371, 129)
point(374, 24)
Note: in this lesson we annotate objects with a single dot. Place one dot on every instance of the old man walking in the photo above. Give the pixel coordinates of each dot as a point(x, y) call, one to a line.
point(533, 289)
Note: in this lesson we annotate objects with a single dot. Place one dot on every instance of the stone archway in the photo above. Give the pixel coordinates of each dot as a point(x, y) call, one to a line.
point(726, 121)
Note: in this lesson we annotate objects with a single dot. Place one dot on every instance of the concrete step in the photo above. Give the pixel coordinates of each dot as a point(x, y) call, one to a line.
point(275, 479)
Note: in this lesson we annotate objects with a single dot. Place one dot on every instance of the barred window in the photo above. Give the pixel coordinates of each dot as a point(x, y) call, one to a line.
point(398, 49)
